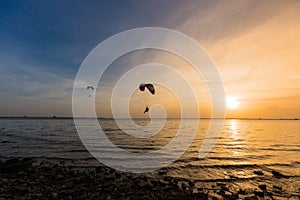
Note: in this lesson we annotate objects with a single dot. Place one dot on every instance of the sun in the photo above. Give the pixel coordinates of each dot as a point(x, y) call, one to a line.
point(232, 102)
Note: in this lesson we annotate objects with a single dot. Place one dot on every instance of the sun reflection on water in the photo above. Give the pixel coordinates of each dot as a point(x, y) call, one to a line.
point(234, 135)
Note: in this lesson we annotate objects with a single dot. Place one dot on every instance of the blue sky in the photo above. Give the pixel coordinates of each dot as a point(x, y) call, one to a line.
point(57, 35)
point(43, 43)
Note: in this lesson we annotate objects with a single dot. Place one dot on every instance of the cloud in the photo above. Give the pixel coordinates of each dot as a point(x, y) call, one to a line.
point(22, 81)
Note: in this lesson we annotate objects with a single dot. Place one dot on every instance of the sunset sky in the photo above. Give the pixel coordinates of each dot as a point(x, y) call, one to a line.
point(254, 44)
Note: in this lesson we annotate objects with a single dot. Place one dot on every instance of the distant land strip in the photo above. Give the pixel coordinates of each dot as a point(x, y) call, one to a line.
point(109, 118)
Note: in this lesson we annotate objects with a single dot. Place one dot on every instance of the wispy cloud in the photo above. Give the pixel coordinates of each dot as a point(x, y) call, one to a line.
point(22, 81)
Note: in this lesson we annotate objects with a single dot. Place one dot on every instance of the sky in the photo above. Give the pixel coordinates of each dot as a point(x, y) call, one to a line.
point(254, 44)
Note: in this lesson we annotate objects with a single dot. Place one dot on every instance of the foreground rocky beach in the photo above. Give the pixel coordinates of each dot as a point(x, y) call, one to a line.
point(26, 178)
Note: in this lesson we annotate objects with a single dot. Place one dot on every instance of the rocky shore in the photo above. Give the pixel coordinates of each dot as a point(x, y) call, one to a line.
point(25, 179)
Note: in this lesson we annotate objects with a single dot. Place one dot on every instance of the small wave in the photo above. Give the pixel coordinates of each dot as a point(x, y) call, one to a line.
point(226, 158)
point(187, 160)
point(138, 149)
point(197, 151)
point(112, 129)
point(239, 148)
point(278, 149)
point(279, 164)
point(22, 137)
point(285, 145)
point(213, 138)
point(228, 179)
point(7, 142)
point(228, 166)
point(75, 151)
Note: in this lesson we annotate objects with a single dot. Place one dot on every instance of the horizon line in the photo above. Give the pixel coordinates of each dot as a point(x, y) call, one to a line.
point(111, 118)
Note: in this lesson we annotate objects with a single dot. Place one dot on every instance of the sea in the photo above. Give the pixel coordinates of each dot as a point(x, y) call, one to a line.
point(246, 152)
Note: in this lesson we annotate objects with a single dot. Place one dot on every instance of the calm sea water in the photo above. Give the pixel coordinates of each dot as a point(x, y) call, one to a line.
point(243, 146)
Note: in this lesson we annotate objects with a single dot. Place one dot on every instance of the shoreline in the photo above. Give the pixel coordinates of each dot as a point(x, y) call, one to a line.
point(26, 178)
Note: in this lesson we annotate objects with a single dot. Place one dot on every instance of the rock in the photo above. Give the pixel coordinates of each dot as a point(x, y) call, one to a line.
point(214, 196)
point(221, 184)
point(12, 161)
point(278, 174)
point(202, 195)
point(262, 187)
point(258, 172)
point(252, 197)
point(167, 179)
point(259, 193)
point(183, 186)
point(67, 192)
point(141, 184)
point(15, 165)
point(98, 169)
point(4, 180)
point(22, 190)
point(234, 196)
point(225, 187)
point(54, 194)
point(221, 192)
point(118, 175)
point(162, 172)
point(277, 187)
point(227, 194)
point(241, 191)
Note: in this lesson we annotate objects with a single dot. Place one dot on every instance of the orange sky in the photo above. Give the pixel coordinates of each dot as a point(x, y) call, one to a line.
point(258, 57)
point(257, 52)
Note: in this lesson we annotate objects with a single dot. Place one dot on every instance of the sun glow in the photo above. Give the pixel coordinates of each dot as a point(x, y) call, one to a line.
point(232, 102)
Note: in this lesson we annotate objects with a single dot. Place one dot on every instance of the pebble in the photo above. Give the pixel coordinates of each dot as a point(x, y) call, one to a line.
point(262, 187)
point(258, 172)
point(278, 174)
point(259, 193)
point(54, 194)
